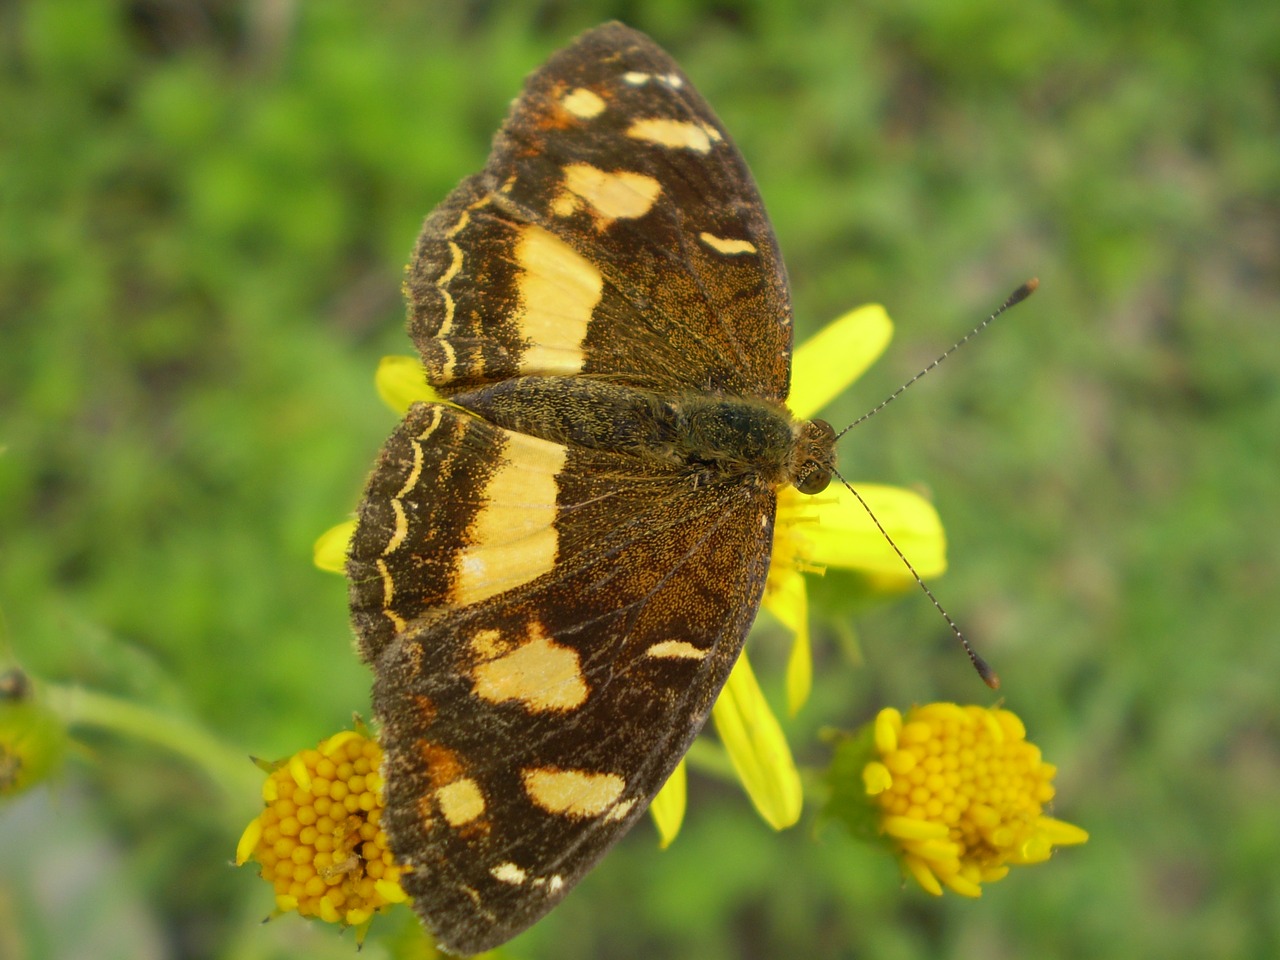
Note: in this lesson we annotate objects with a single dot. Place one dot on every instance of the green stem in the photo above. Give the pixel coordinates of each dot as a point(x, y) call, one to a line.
point(229, 769)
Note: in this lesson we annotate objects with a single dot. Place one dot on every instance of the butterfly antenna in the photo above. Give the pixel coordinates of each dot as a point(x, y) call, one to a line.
point(1014, 298)
point(988, 675)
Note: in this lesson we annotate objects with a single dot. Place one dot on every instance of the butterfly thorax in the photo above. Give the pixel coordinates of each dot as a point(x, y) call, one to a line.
point(711, 437)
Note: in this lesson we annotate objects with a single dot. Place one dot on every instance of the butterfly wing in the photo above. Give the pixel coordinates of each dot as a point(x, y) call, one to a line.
point(615, 231)
point(537, 685)
point(548, 623)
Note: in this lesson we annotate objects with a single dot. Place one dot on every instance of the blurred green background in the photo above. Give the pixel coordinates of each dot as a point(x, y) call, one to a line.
point(204, 210)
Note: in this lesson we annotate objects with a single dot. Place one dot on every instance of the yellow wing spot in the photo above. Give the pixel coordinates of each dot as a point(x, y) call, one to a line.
point(455, 264)
point(415, 472)
point(508, 873)
point(564, 205)
point(513, 538)
point(574, 793)
point(623, 195)
point(450, 359)
point(401, 530)
point(389, 594)
point(675, 650)
point(583, 103)
point(727, 245)
point(558, 289)
point(460, 802)
point(675, 134)
point(620, 810)
point(556, 882)
point(490, 644)
point(541, 674)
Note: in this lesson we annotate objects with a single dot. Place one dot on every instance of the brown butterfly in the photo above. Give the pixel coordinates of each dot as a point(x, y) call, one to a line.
point(555, 570)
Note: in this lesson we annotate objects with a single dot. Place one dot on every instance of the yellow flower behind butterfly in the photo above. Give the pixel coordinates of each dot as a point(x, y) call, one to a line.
point(811, 534)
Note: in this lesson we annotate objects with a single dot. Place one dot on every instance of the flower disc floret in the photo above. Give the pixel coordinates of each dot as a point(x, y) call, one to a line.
point(961, 794)
point(318, 840)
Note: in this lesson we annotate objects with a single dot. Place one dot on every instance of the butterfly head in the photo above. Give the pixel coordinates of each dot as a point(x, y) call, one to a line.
point(813, 458)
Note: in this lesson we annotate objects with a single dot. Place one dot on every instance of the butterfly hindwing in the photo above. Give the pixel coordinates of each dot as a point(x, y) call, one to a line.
point(530, 711)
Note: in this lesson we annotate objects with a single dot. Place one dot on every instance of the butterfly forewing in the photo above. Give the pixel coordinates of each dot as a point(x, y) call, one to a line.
point(550, 596)
point(613, 194)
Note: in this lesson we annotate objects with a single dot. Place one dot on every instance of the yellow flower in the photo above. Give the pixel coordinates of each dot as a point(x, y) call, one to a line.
point(811, 535)
point(318, 841)
point(958, 792)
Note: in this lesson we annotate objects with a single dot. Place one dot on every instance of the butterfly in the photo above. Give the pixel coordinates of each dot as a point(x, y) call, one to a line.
point(555, 566)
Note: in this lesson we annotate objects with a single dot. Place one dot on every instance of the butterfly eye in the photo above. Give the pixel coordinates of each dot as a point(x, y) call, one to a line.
point(816, 480)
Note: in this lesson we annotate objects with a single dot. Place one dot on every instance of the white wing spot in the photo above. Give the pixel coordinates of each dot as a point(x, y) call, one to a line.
point(675, 650)
point(675, 134)
point(508, 873)
point(638, 79)
point(727, 245)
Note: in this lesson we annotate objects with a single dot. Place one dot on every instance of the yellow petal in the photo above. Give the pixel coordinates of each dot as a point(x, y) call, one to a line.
point(298, 770)
point(248, 841)
point(962, 885)
point(339, 740)
point(1060, 833)
point(846, 537)
point(887, 727)
point(401, 382)
point(787, 600)
point(667, 808)
point(799, 670)
point(934, 851)
point(923, 875)
point(913, 828)
point(390, 891)
point(753, 739)
point(825, 364)
point(876, 778)
point(330, 550)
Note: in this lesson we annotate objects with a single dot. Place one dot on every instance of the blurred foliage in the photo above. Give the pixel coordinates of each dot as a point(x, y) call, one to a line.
point(204, 209)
